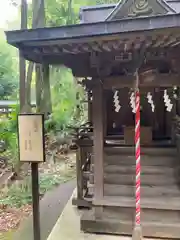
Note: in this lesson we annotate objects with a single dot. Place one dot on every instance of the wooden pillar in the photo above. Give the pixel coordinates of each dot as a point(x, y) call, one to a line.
point(172, 122)
point(98, 150)
point(178, 102)
point(79, 173)
point(105, 114)
point(89, 107)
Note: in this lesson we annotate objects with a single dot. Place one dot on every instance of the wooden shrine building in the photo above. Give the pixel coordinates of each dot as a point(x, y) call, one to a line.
point(110, 45)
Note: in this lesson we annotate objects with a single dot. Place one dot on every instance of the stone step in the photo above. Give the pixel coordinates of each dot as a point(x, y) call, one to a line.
point(149, 180)
point(151, 151)
point(123, 160)
point(146, 191)
point(124, 226)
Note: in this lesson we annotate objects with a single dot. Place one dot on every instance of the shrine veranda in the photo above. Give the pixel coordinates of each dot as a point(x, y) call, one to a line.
point(128, 57)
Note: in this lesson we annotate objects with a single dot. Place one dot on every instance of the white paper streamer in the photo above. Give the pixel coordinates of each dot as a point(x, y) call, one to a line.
point(167, 102)
point(132, 102)
point(150, 101)
point(116, 102)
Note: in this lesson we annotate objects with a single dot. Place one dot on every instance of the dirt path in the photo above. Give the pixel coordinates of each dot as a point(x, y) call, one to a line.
point(51, 207)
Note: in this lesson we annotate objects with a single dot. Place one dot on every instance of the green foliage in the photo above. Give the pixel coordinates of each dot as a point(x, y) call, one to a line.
point(64, 100)
point(8, 69)
point(65, 12)
point(8, 134)
point(20, 195)
point(8, 126)
point(7, 235)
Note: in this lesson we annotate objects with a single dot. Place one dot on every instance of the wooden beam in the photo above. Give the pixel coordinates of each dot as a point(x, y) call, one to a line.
point(98, 113)
point(155, 80)
point(118, 82)
point(160, 80)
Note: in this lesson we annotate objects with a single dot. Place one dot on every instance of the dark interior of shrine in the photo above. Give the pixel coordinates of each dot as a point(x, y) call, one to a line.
point(158, 123)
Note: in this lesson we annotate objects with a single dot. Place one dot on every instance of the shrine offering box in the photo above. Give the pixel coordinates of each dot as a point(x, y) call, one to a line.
point(146, 135)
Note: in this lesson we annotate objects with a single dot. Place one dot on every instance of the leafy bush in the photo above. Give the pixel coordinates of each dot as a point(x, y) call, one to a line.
point(20, 195)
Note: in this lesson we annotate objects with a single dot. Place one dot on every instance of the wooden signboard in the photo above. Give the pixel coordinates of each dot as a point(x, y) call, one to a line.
point(31, 137)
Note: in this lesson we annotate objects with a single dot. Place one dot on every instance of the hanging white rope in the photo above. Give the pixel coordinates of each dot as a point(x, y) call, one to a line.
point(132, 102)
point(116, 102)
point(150, 101)
point(167, 101)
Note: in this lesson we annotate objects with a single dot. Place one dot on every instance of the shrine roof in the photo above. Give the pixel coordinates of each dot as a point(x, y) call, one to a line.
point(74, 45)
point(66, 39)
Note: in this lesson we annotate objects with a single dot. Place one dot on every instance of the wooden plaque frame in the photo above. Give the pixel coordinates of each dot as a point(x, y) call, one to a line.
point(31, 138)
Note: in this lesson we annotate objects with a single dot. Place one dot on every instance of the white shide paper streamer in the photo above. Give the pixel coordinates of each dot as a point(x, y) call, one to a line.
point(132, 102)
point(116, 102)
point(167, 102)
point(150, 101)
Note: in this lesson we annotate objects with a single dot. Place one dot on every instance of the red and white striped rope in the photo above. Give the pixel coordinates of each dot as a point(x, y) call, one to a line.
point(138, 158)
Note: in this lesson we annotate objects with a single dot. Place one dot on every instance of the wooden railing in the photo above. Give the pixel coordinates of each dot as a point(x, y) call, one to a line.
point(83, 140)
point(7, 107)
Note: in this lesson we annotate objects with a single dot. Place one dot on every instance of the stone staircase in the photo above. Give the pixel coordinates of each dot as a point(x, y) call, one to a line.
point(160, 194)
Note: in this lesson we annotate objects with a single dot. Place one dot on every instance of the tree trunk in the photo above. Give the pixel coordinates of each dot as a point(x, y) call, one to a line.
point(38, 21)
point(22, 62)
point(47, 90)
point(39, 88)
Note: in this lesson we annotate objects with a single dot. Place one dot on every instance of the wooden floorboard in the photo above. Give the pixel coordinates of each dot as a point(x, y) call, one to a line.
point(145, 160)
point(147, 215)
point(152, 151)
point(110, 168)
point(171, 203)
point(129, 179)
point(146, 191)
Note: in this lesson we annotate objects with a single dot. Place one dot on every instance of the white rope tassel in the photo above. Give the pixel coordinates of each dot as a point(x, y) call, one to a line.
point(132, 102)
point(150, 101)
point(167, 102)
point(116, 102)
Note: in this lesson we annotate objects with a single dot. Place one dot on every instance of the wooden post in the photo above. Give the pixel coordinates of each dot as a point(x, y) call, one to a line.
point(105, 114)
point(35, 197)
point(22, 62)
point(79, 174)
point(89, 107)
point(98, 114)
